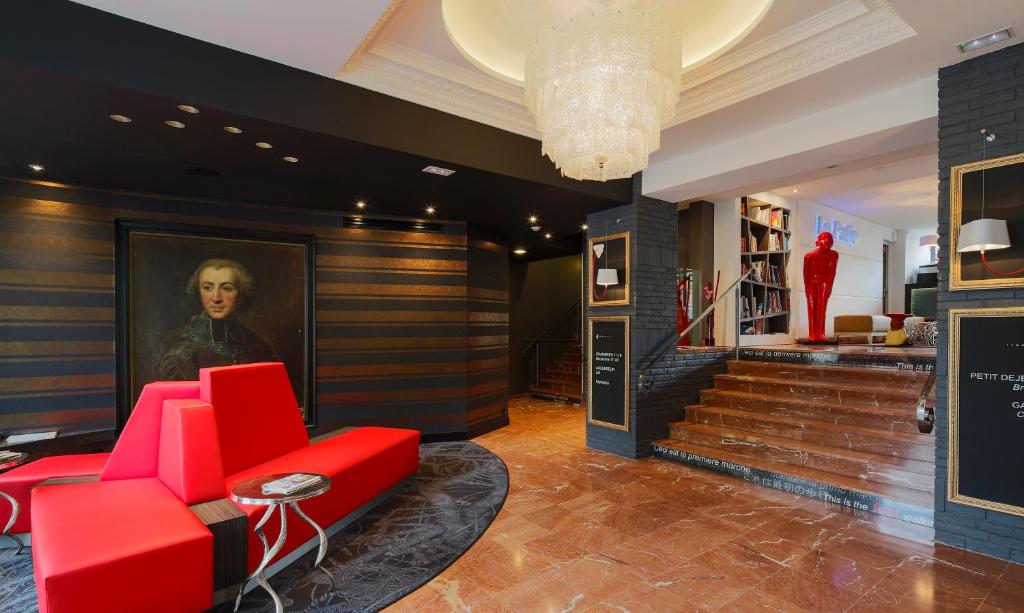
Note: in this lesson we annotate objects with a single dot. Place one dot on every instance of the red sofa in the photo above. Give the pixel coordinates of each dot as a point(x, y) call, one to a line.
point(186, 444)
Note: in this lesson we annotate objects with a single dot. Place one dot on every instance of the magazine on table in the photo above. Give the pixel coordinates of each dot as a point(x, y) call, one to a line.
point(290, 484)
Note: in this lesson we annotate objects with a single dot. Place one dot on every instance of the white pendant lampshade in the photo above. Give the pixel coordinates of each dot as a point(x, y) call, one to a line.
point(607, 276)
point(929, 240)
point(983, 235)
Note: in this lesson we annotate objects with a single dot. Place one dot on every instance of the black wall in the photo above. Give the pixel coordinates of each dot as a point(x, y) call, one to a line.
point(984, 92)
point(697, 238)
point(539, 293)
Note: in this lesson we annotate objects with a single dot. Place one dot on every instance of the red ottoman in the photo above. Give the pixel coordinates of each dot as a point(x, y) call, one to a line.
point(119, 546)
point(18, 483)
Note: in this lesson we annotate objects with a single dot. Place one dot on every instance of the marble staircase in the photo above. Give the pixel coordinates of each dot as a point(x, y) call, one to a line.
point(843, 434)
point(563, 380)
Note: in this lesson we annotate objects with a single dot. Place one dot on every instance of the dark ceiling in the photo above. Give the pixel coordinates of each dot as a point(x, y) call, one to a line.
point(60, 121)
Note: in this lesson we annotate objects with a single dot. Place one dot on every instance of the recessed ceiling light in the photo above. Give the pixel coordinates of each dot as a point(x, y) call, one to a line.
point(519, 251)
point(584, 227)
point(263, 145)
point(986, 40)
point(532, 219)
point(437, 170)
point(360, 205)
point(121, 118)
point(174, 124)
point(232, 130)
point(188, 108)
point(547, 235)
point(36, 167)
point(290, 158)
point(431, 210)
point(795, 191)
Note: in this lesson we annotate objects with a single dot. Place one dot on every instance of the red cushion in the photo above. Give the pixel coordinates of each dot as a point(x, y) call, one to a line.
point(18, 482)
point(189, 452)
point(111, 546)
point(257, 416)
point(135, 454)
point(361, 464)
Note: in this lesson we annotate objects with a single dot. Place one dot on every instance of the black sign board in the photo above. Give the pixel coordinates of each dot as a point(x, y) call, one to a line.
point(608, 392)
point(986, 408)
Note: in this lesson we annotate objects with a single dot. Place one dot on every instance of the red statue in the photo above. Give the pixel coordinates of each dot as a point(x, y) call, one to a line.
point(819, 273)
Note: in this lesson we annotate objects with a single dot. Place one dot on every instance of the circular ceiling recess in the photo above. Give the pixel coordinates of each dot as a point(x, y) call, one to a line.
point(496, 35)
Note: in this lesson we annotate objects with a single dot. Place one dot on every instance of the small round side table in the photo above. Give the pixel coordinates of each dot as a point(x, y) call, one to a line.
point(251, 492)
point(11, 462)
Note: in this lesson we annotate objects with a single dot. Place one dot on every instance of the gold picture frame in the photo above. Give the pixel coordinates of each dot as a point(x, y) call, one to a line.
point(953, 493)
point(956, 183)
point(626, 369)
point(617, 245)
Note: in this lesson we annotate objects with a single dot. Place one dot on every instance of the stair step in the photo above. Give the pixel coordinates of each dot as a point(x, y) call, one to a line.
point(902, 419)
point(901, 472)
point(575, 384)
point(549, 392)
point(922, 500)
point(565, 368)
point(561, 377)
point(846, 394)
point(909, 380)
point(918, 446)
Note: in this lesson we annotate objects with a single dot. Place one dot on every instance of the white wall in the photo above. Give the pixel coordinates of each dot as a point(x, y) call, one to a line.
point(858, 286)
point(897, 265)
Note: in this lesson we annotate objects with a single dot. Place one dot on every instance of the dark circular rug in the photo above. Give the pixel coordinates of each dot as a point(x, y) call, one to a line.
point(392, 550)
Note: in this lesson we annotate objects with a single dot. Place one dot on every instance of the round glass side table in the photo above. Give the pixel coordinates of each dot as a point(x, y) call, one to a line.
point(6, 464)
point(251, 492)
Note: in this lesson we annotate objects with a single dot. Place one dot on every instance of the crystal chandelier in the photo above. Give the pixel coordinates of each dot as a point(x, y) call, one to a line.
point(600, 83)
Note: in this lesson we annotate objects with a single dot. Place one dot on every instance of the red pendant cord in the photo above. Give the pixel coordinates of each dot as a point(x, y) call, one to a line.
point(985, 263)
point(593, 271)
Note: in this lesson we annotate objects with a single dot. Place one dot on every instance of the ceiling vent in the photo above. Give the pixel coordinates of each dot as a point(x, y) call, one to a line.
point(437, 170)
point(986, 40)
point(393, 225)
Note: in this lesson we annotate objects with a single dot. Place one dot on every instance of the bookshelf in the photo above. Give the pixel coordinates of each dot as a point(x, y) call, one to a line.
point(765, 246)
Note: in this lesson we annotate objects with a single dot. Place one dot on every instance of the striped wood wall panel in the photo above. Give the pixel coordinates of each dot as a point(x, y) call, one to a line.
point(411, 327)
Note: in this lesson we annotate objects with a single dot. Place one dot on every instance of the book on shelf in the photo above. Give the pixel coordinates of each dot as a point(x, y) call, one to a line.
point(774, 244)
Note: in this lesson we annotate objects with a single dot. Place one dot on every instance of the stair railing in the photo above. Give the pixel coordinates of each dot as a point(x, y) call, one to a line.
point(534, 348)
point(925, 413)
point(646, 383)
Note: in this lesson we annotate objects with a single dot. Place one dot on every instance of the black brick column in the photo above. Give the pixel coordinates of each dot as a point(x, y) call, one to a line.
point(984, 92)
point(654, 242)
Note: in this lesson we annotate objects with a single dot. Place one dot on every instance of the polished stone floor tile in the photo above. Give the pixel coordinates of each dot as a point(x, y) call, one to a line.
point(588, 531)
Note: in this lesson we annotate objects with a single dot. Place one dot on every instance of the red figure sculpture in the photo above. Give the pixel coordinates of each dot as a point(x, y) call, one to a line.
point(819, 273)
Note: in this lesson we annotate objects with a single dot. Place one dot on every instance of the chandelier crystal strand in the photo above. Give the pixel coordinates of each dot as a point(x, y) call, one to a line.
point(600, 86)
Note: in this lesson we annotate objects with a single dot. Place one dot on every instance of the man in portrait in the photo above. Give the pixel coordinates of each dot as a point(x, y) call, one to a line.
point(223, 289)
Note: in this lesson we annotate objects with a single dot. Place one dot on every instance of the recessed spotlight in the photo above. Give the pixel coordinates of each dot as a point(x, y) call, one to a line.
point(519, 251)
point(174, 124)
point(37, 167)
point(584, 227)
point(547, 235)
point(360, 204)
point(121, 118)
point(188, 108)
point(263, 145)
point(431, 210)
point(532, 219)
point(437, 170)
point(986, 40)
point(290, 158)
point(795, 191)
point(232, 130)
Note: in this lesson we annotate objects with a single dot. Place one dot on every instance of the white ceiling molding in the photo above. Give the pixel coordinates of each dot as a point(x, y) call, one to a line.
point(802, 50)
point(839, 34)
point(405, 73)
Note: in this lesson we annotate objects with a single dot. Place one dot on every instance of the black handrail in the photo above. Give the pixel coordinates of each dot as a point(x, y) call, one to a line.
point(561, 318)
point(647, 384)
point(925, 413)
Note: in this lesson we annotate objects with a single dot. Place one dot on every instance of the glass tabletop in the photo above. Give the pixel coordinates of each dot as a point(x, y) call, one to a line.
point(251, 491)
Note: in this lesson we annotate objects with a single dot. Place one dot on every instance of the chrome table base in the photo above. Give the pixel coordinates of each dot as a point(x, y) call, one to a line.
point(269, 552)
point(16, 510)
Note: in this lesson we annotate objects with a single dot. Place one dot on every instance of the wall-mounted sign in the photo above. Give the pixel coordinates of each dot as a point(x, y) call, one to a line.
point(608, 389)
point(609, 270)
point(841, 233)
point(986, 408)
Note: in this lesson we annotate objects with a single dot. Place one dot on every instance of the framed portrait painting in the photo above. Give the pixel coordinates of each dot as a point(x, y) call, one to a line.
point(191, 297)
point(609, 270)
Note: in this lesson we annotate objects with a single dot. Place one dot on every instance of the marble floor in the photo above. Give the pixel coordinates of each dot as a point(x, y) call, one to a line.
point(587, 531)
